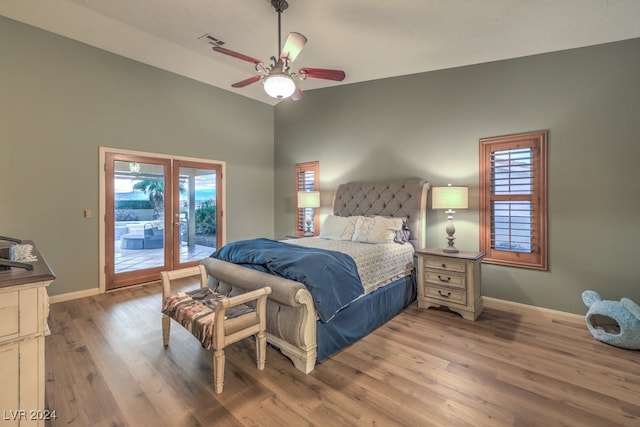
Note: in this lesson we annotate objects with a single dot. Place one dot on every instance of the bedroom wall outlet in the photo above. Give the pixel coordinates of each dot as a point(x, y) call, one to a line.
point(87, 213)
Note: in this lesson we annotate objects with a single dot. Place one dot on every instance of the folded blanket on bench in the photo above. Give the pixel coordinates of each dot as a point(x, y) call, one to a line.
point(195, 311)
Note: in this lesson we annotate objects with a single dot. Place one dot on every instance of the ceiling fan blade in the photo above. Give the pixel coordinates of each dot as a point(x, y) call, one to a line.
point(297, 95)
point(236, 55)
point(293, 46)
point(321, 73)
point(248, 81)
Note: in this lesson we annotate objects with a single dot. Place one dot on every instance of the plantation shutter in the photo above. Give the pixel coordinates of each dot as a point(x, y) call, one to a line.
point(307, 179)
point(511, 193)
point(513, 200)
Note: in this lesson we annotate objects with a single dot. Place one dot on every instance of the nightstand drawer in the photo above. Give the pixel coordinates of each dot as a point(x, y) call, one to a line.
point(446, 279)
point(446, 294)
point(446, 264)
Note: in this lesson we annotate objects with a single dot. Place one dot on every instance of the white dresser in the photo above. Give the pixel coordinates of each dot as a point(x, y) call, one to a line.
point(24, 308)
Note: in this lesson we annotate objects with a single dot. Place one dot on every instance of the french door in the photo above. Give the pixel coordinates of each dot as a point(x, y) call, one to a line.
point(160, 214)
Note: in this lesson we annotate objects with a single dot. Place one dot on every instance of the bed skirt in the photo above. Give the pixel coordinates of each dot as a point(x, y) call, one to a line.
point(364, 315)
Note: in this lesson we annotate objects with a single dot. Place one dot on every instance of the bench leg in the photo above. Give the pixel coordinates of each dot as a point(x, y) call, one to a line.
point(261, 350)
point(218, 369)
point(166, 329)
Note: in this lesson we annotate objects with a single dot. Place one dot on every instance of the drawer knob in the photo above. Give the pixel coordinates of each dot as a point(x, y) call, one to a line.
point(442, 294)
point(444, 265)
point(443, 279)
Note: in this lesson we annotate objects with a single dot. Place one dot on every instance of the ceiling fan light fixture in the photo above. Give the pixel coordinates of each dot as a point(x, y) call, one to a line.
point(277, 78)
point(279, 85)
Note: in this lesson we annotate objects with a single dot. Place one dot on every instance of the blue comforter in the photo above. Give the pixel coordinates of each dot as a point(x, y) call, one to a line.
point(330, 276)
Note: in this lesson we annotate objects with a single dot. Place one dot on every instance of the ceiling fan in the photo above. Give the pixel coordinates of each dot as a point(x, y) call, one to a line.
point(278, 77)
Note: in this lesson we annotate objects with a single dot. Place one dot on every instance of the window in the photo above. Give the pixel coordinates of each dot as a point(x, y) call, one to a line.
point(513, 200)
point(307, 179)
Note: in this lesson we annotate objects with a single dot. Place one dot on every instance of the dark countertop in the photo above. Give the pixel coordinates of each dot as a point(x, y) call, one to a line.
point(19, 276)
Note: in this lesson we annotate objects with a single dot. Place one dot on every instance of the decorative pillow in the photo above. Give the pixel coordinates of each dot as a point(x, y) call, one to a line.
point(402, 235)
point(338, 227)
point(376, 229)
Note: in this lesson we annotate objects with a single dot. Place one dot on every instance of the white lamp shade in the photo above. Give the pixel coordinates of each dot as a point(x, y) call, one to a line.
point(308, 199)
point(450, 197)
point(279, 85)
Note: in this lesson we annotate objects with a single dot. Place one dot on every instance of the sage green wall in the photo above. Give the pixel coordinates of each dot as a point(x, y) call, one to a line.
point(428, 125)
point(61, 100)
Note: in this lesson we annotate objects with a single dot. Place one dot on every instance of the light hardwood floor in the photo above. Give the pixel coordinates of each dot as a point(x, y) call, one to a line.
point(106, 366)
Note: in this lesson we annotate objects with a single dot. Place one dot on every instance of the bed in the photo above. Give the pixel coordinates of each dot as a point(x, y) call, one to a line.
point(295, 325)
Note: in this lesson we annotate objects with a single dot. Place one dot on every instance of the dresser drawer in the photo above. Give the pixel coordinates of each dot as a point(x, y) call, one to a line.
point(446, 264)
point(20, 313)
point(446, 294)
point(446, 279)
point(9, 316)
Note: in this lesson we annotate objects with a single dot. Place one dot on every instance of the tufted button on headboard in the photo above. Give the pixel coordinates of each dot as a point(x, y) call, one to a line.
point(403, 199)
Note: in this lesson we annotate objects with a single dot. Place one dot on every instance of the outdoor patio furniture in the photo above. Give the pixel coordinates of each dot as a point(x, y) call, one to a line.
point(151, 238)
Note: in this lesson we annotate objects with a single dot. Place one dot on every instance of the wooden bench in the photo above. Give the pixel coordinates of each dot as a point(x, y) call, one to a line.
point(215, 319)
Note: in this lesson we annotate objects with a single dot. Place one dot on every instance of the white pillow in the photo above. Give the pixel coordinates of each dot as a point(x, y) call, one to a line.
point(377, 229)
point(338, 227)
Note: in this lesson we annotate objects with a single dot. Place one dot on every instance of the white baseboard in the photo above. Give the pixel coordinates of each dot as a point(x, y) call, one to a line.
point(73, 295)
point(501, 304)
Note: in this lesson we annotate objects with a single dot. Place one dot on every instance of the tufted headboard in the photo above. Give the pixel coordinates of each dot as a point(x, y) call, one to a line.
point(405, 198)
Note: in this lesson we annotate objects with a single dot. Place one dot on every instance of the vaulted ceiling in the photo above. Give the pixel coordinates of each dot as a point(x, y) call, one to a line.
point(368, 39)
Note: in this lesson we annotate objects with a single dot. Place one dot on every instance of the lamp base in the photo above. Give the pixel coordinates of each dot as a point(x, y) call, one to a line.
point(308, 232)
point(450, 249)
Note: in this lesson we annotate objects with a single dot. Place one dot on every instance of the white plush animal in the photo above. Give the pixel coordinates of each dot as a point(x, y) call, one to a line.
point(613, 322)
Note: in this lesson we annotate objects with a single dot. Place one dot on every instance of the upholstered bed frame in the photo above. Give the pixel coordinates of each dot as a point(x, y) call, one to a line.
point(291, 315)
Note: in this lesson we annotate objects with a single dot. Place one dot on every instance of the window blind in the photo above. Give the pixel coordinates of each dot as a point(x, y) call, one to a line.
point(513, 200)
point(512, 210)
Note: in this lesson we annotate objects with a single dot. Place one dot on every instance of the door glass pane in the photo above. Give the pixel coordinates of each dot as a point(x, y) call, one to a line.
point(139, 216)
point(198, 213)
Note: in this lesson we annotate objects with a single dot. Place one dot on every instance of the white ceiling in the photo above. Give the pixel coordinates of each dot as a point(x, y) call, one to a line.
point(368, 39)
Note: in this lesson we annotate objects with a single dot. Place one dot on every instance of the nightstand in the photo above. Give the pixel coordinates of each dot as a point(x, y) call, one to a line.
point(451, 280)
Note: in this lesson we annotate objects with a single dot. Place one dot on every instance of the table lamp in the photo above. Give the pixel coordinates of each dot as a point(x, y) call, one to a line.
point(450, 198)
point(308, 200)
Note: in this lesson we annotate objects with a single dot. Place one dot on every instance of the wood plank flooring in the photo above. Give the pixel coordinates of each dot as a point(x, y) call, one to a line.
point(106, 366)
